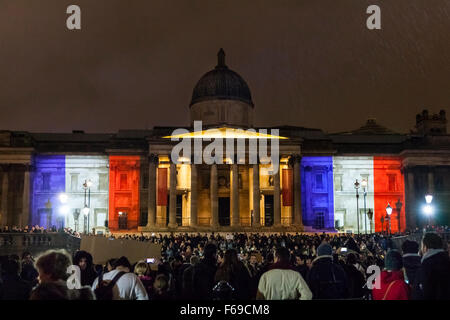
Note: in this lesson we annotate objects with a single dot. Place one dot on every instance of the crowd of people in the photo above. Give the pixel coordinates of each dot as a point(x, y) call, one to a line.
point(36, 229)
point(242, 267)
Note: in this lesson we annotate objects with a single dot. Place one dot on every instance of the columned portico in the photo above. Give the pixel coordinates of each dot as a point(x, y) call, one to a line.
point(214, 197)
point(256, 197)
point(194, 196)
point(235, 217)
point(173, 196)
point(153, 160)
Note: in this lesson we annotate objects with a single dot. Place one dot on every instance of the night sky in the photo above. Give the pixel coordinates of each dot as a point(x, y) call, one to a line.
point(134, 63)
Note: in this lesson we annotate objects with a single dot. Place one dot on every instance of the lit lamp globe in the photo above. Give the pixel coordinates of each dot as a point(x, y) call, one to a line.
point(63, 197)
point(388, 209)
point(428, 209)
point(364, 183)
point(85, 211)
point(89, 183)
point(64, 210)
point(428, 198)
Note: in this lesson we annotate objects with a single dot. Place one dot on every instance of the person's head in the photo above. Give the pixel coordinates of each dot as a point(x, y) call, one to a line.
point(110, 264)
point(52, 265)
point(230, 257)
point(324, 250)
point(393, 260)
point(282, 255)
point(300, 260)
point(351, 258)
point(122, 263)
point(210, 251)
point(410, 247)
point(11, 267)
point(161, 283)
point(194, 260)
point(141, 268)
point(27, 257)
point(253, 259)
point(431, 241)
point(83, 259)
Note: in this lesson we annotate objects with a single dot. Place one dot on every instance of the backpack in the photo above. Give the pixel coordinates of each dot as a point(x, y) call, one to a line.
point(104, 290)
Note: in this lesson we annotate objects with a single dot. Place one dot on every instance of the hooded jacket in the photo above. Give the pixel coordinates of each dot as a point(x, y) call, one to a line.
point(392, 286)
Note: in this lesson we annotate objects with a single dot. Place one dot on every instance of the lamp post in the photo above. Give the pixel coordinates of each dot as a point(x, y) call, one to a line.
point(87, 205)
point(388, 215)
point(370, 215)
point(364, 186)
point(398, 207)
point(357, 202)
point(382, 224)
point(428, 209)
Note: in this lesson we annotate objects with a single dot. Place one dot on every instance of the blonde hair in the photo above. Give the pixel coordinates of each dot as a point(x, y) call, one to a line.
point(141, 268)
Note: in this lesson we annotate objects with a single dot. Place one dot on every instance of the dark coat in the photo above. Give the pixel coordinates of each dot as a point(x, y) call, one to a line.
point(433, 278)
point(14, 288)
point(327, 280)
point(356, 281)
point(239, 279)
point(203, 279)
point(411, 263)
point(187, 291)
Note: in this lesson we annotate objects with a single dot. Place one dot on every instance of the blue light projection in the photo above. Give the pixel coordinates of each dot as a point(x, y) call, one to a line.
point(317, 192)
point(48, 181)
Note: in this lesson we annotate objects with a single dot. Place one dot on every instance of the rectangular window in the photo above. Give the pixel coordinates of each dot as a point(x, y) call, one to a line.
point(102, 181)
point(46, 181)
point(338, 182)
point(123, 181)
point(74, 181)
point(319, 181)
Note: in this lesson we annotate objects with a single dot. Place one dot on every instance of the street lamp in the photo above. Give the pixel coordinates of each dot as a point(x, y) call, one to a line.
point(364, 186)
point(428, 209)
point(389, 212)
point(370, 215)
point(382, 224)
point(87, 189)
point(357, 202)
point(398, 207)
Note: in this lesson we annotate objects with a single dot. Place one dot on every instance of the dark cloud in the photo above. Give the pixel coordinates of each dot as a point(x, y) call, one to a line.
point(134, 63)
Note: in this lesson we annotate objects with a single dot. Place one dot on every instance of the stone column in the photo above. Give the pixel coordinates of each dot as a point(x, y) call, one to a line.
point(297, 192)
point(256, 197)
point(24, 220)
point(194, 196)
point(173, 196)
point(411, 202)
point(214, 197)
point(276, 199)
point(235, 218)
point(431, 180)
point(151, 213)
point(4, 208)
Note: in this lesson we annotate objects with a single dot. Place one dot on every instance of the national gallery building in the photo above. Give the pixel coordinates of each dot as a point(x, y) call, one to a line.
point(127, 181)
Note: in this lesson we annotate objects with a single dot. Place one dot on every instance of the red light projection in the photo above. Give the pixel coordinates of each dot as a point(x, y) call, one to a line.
point(124, 173)
point(287, 187)
point(389, 188)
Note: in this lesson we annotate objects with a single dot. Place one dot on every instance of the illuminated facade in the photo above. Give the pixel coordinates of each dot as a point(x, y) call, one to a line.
point(134, 185)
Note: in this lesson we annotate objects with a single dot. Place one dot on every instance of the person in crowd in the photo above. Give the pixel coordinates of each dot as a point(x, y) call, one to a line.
point(142, 271)
point(178, 267)
point(29, 272)
point(12, 286)
point(161, 288)
point(411, 260)
point(392, 285)
point(300, 265)
point(282, 281)
point(187, 284)
point(355, 277)
point(204, 273)
point(127, 286)
point(326, 279)
point(52, 268)
point(233, 271)
point(84, 260)
point(109, 266)
point(432, 280)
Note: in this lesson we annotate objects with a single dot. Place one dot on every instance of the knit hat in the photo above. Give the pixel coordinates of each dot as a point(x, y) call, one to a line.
point(324, 250)
point(393, 260)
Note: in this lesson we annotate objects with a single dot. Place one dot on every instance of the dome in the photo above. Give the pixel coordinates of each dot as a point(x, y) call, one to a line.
point(221, 84)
